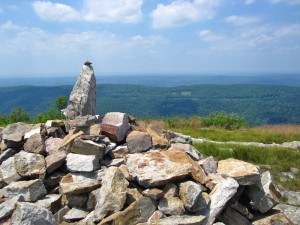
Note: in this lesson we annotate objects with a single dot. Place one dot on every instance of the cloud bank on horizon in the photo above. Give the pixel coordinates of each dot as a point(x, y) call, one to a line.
point(138, 36)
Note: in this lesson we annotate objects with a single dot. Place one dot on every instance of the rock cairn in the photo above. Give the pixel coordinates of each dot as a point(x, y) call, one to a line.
point(112, 170)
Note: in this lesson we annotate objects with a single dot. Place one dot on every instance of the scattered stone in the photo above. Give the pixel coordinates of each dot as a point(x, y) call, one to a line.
point(74, 215)
point(7, 154)
point(292, 212)
point(137, 212)
point(219, 196)
point(30, 164)
point(82, 100)
point(52, 145)
point(8, 172)
point(230, 216)
point(112, 193)
point(292, 197)
point(245, 173)
point(55, 161)
point(157, 168)
point(188, 148)
point(209, 164)
point(153, 193)
point(119, 152)
point(171, 206)
point(138, 142)
point(181, 220)
point(31, 214)
point(52, 202)
point(82, 163)
point(35, 144)
point(115, 125)
point(7, 207)
point(190, 195)
point(263, 194)
point(30, 191)
point(87, 147)
point(278, 218)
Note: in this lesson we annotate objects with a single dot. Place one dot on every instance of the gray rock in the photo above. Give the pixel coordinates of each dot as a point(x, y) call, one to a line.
point(13, 134)
point(7, 154)
point(112, 193)
point(179, 138)
point(155, 217)
point(7, 207)
point(153, 193)
point(292, 212)
point(58, 216)
point(292, 197)
point(74, 215)
point(171, 206)
point(30, 191)
point(94, 197)
point(55, 161)
point(209, 164)
point(52, 180)
point(8, 171)
point(190, 195)
point(171, 190)
point(30, 164)
point(75, 200)
point(31, 214)
point(82, 123)
point(115, 125)
point(82, 100)
point(181, 220)
point(113, 162)
point(82, 163)
point(35, 144)
point(87, 147)
point(133, 195)
point(52, 202)
point(230, 216)
point(189, 149)
point(138, 142)
point(219, 196)
point(263, 194)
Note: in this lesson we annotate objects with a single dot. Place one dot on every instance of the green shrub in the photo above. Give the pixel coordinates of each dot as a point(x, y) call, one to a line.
point(227, 121)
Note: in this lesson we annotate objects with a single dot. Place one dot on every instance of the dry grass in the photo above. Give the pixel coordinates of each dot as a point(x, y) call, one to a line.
point(283, 129)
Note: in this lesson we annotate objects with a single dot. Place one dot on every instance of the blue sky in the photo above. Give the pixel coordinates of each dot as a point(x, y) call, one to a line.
point(143, 36)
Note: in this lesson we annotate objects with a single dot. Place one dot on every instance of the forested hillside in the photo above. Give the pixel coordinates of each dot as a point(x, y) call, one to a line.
point(258, 104)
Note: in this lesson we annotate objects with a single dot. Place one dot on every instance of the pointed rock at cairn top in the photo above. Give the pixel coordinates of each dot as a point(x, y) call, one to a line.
point(87, 63)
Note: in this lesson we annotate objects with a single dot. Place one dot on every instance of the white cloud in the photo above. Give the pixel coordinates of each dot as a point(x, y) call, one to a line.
point(9, 26)
point(55, 11)
point(289, 2)
point(288, 30)
point(125, 11)
point(180, 12)
point(239, 20)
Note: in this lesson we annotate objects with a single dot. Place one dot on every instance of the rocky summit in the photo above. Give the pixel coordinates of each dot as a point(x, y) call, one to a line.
point(90, 176)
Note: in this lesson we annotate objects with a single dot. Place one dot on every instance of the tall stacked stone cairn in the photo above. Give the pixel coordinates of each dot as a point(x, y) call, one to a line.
point(112, 170)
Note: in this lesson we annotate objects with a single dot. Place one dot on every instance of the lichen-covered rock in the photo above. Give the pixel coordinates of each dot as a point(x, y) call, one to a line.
point(31, 214)
point(82, 163)
point(138, 142)
point(82, 100)
point(30, 191)
point(35, 144)
point(30, 164)
point(245, 173)
point(112, 193)
point(157, 168)
point(264, 194)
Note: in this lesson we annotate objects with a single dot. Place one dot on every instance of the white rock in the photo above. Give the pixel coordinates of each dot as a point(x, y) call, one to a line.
point(82, 163)
point(8, 171)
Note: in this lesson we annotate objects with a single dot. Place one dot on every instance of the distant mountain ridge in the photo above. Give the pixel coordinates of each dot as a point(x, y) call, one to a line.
point(258, 104)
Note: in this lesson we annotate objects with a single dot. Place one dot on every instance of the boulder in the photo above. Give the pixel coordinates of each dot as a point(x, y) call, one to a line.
point(219, 196)
point(8, 172)
point(157, 168)
point(263, 194)
point(181, 220)
point(74, 215)
point(153, 193)
point(31, 214)
point(76, 183)
point(115, 125)
point(82, 163)
point(82, 100)
point(55, 161)
point(87, 147)
point(188, 148)
point(35, 144)
point(7, 207)
point(30, 191)
point(30, 164)
point(171, 206)
point(245, 173)
point(209, 164)
point(112, 193)
point(52, 145)
point(138, 142)
point(137, 212)
point(230, 216)
point(52, 202)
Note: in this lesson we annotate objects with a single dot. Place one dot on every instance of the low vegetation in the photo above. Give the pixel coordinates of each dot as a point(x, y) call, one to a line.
point(275, 159)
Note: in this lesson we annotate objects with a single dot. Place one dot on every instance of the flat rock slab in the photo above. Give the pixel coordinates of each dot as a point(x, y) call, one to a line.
point(75, 215)
point(138, 142)
point(30, 191)
point(157, 168)
point(82, 163)
point(188, 148)
point(87, 147)
point(31, 214)
point(245, 173)
point(181, 220)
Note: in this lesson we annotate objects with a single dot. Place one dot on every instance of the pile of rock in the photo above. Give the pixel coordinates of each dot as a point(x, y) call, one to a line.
point(111, 170)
